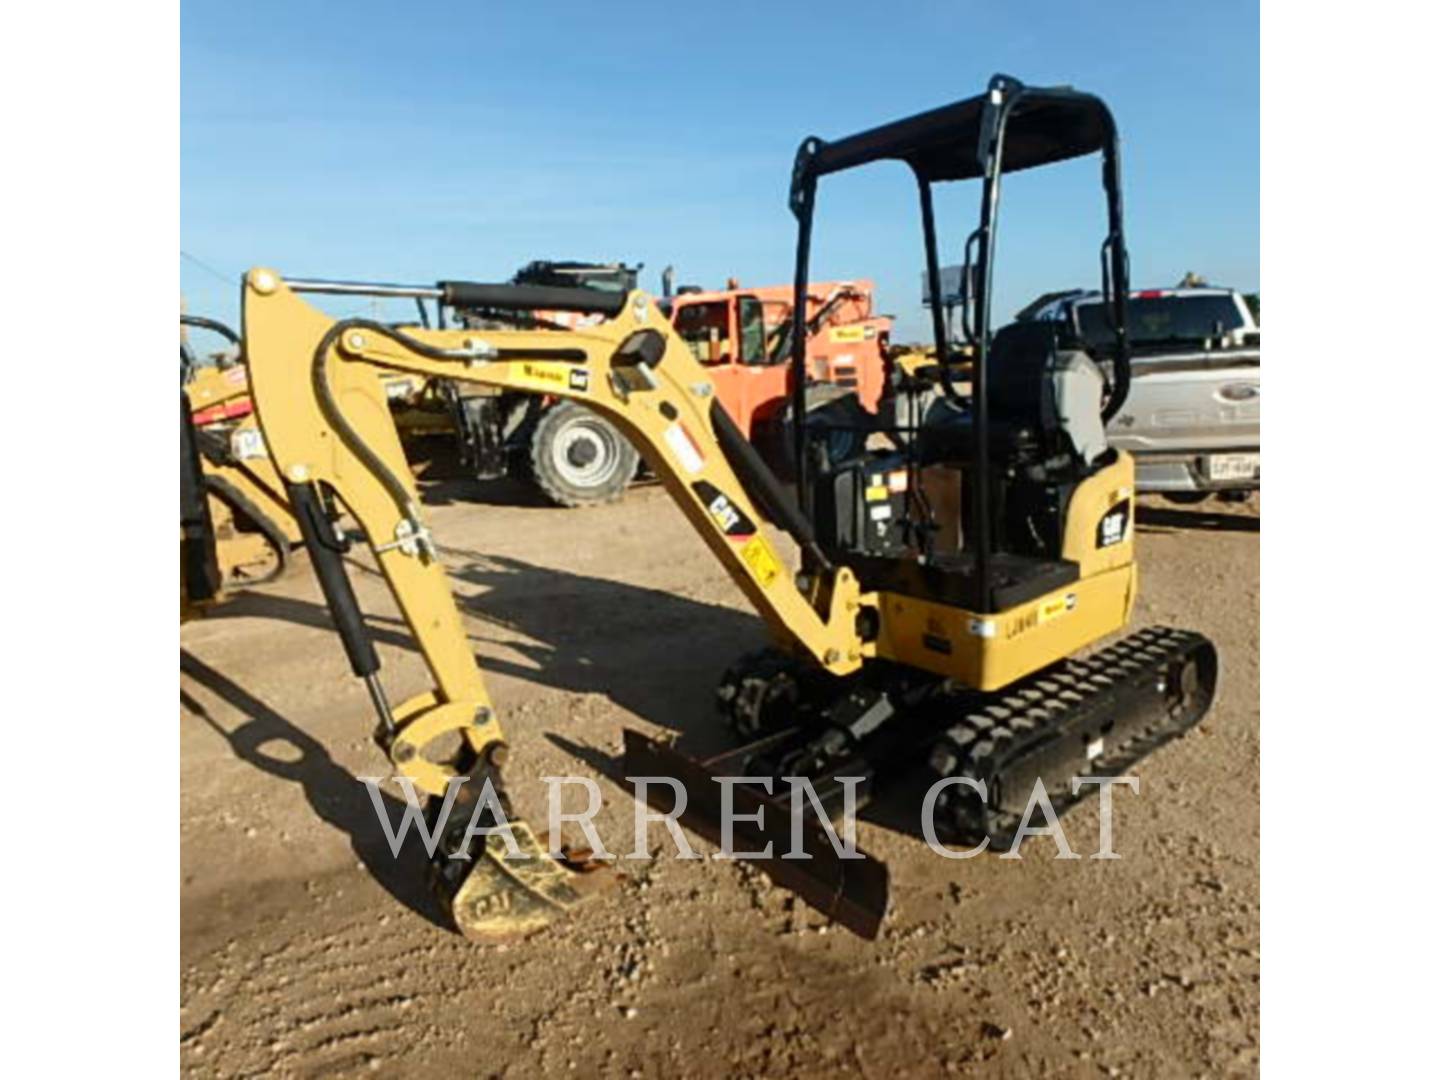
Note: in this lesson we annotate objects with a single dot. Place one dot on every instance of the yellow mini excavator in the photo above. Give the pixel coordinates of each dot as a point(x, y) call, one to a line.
point(235, 529)
point(907, 649)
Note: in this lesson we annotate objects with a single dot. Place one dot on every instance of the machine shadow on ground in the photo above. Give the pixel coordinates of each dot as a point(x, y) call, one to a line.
point(453, 489)
point(653, 653)
point(384, 629)
point(337, 797)
point(443, 481)
point(1166, 519)
point(656, 655)
point(897, 807)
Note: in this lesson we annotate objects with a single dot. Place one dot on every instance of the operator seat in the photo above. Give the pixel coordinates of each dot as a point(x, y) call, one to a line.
point(1041, 377)
point(1045, 395)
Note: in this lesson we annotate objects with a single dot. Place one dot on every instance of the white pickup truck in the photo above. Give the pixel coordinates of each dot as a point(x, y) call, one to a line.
point(1192, 418)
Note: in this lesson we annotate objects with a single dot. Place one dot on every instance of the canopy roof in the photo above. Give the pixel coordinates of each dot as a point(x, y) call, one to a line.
point(1043, 125)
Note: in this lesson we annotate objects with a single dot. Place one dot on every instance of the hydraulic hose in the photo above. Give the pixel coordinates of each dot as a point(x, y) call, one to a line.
point(320, 380)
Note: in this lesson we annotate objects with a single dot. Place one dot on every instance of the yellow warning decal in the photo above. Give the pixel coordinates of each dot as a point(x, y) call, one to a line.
point(842, 334)
point(877, 493)
point(548, 376)
point(1053, 608)
point(761, 561)
point(1049, 609)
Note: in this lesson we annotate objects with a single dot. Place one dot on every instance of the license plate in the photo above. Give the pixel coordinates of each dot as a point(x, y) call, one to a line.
point(1232, 466)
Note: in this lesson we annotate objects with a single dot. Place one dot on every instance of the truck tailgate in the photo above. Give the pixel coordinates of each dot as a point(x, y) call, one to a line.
point(1200, 401)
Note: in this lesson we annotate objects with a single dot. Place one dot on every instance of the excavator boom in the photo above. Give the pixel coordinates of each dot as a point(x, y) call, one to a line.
point(321, 403)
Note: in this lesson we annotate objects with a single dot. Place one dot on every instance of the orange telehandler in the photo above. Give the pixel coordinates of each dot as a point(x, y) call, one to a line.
point(740, 335)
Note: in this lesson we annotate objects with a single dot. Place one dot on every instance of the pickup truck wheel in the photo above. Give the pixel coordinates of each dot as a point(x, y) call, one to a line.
point(578, 458)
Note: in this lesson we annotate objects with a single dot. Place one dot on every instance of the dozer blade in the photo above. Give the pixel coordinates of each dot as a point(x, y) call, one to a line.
point(854, 892)
point(504, 896)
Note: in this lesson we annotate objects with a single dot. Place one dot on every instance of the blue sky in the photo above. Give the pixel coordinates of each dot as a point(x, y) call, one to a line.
point(415, 142)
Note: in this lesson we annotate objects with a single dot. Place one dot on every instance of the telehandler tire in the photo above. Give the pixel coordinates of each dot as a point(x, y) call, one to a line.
point(578, 458)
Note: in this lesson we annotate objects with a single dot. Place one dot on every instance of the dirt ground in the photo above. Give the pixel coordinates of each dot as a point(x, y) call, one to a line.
point(306, 950)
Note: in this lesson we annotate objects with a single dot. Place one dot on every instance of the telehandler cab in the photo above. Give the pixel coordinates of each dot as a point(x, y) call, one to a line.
point(898, 658)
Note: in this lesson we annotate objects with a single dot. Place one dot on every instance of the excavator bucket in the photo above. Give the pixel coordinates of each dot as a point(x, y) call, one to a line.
point(505, 895)
point(853, 891)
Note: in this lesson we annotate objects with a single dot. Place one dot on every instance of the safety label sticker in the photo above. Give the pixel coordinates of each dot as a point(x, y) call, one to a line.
point(684, 448)
point(541, 375)
point(761, 561)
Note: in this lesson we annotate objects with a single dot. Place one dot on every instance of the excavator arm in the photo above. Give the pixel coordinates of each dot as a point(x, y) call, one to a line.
point(323, 411)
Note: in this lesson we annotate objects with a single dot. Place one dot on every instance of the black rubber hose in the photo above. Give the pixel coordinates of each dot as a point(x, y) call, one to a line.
point(762, 485)
point(269, 528)
point(202, 323)
point(351, 438)
point(331, 409)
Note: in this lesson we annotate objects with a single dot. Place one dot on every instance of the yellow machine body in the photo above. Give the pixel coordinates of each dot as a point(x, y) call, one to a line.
point(281, 333)
point(989, 652)
point(251, 524)
point(255, 477)
point(670, 421)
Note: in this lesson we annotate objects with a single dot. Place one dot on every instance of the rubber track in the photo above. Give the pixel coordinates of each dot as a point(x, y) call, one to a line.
point(1023, 717)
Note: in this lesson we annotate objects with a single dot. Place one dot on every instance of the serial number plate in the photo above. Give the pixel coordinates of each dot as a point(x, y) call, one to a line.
point(1232, 466)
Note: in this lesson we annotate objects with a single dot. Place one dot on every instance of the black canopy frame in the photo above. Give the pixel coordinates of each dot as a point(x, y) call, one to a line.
point(1009, 128)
